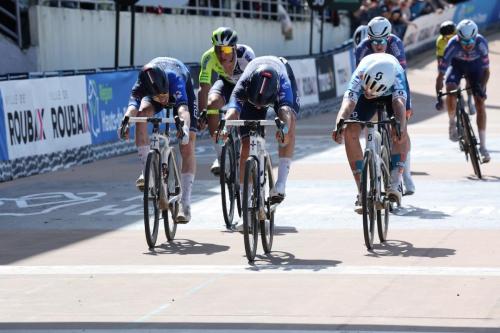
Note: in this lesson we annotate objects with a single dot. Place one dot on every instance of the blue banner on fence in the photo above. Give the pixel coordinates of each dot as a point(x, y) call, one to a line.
point(108, 95)
point(484, 13)
point(4, 154)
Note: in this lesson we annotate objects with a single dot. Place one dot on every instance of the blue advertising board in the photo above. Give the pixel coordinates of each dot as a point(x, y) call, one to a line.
point(4, 154)
point(107, 96)
point(484, 13)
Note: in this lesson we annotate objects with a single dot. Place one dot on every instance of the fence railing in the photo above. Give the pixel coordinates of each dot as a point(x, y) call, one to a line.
point(10, 20)
point(252, 9)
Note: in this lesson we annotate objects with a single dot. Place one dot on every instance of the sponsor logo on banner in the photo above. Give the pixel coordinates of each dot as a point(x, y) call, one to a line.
point(107, 97)
point(307, 83)
point(43, 116)
point(480, 11)
point(343, 69)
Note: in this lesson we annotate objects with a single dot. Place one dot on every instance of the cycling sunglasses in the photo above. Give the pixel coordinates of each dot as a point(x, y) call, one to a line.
point(226, 49)
point(467, 42)
point(381, 41)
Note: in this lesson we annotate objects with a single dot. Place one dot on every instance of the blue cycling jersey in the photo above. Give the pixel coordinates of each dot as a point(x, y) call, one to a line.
point(177, 74)
point(398, 89)
point(455, 52)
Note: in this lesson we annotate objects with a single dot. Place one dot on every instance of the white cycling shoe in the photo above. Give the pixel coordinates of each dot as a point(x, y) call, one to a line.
point(215, 168)
point(485, 154)
point(139, 183)
point(184, 214)
point(395, 194)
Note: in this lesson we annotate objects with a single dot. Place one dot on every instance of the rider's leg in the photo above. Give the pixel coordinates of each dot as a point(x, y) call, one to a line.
point(354, 151)
point(453, 77)
point(470, 99)
point(146, 109)
point(215, 102)
point(407, 179)
point(481, 126)
point(285, 153)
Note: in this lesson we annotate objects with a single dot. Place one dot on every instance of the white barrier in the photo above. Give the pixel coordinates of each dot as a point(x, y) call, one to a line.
point(307, 82)
point(44, 116)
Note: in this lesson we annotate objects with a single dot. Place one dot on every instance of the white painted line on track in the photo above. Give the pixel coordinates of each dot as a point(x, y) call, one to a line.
point(204, 330)
point(245, 269)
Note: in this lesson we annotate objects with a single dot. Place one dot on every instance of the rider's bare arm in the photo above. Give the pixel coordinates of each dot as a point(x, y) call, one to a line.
point(285, 115)
point(346, 109)
point(232, 114)
point(203, 96)
point(485, 77)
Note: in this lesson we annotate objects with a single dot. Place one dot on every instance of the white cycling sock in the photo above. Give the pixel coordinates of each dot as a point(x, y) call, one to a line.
point(396, 178)
point(142, 152)
point(283, 169)
point(482, 139)
point(187, 180)
point(218, 149)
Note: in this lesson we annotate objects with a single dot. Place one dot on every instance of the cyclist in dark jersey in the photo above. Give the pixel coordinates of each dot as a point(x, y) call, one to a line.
point(267, 82)
point(166, 82)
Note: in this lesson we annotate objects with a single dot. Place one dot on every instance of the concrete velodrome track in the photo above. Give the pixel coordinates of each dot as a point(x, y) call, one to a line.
point(73, 254)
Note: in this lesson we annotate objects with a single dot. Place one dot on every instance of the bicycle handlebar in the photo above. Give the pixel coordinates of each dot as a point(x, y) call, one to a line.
point(276, 122)
point(453, 92)
point(393, 121)
point(179, 123)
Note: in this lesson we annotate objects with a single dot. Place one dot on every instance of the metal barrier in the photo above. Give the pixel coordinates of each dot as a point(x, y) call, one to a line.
point(10, 24)
point(252, 9)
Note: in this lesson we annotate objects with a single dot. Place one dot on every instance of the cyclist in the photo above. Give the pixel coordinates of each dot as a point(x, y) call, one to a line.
point(267, 81)
point(379, 78)
point(381, 40)
point(166, 82)
point(446, 32)
point(359, 35)
point(228, 59)
point(466, 55)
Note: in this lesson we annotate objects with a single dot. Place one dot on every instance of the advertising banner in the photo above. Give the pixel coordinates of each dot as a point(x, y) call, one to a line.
point(108, 95)
point(426, 29)
point(43, 116)
point(480, 11)
point(307, 83)
point(326, 76)
point(343, 65)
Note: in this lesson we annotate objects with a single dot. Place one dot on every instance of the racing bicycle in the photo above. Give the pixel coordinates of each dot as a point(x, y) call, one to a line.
point(162, 185)
point(466, 138)
point(257, 209)
point(375, 177)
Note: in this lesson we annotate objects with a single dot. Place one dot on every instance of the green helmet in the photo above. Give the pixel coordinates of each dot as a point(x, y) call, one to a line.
point(224, 36)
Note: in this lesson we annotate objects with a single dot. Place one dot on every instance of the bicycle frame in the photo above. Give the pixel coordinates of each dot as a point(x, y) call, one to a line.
point(160, 143)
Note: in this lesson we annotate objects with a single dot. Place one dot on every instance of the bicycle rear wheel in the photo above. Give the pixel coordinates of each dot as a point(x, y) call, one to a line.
point(267, 225)
point(368, 189)
point(228, 182)
point(250, 208)
point(384, 213)
point(471, 144)
point(172, 189)
point(151, 198)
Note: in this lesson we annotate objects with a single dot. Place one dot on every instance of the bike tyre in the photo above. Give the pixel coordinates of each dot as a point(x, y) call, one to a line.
point(172, 186)
point(367, 190)
point(227, 182)
point(471, 145)
point(250, 207)
point(151, 199)
point(267, 226)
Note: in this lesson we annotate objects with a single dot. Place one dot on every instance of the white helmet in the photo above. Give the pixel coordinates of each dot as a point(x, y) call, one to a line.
point(360, 34)
point(379, 77)
point(379, 27)
point(467, 29)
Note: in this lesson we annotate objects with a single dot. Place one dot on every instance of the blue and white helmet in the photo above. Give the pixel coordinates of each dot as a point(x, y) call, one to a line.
point(359, 35)
point(467, 29)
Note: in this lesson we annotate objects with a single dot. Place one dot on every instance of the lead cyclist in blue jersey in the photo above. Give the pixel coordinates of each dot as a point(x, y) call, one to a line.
point(466, 55)
point(379, 39)
point(267, 82)
point(378, 78)
point(166, 82)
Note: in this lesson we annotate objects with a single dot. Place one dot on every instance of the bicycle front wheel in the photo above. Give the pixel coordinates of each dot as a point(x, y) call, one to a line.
point(151, 199)
point(250, 208)
point(368, 189)
point(267, 225)
point(172, 186)
point(471, 145)
point(384, 213)
point(228, 182)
